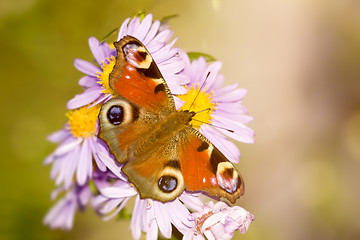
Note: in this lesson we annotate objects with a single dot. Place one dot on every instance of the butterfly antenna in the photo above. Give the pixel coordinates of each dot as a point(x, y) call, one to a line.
point(229, 130)
point(207, 109)
point(202, 85)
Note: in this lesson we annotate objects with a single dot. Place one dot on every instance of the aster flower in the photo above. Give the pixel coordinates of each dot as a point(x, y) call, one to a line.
point(79, 145)
point(62, 214)
point(218, 221)
point(148, 216)
point(225, 104)
point(154, 36)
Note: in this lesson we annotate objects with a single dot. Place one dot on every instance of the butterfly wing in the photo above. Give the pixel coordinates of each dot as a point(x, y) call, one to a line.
point(188, 160)
point(137, 78)
point(205, 168)
point(157, 174)
point(160, 167)
point(143, 98)
point(122, 125)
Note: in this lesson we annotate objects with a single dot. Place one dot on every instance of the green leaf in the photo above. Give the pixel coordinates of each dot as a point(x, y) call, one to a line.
point(196, 55)
point(169, 17)
point(109, 34)
point(124, 214)
point(140, 14)
point(93, 188)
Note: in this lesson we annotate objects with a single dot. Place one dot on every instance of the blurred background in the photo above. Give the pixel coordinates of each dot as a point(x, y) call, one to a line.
point(299, 59)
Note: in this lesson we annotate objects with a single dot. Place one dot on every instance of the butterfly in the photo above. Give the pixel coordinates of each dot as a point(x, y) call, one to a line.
point(162, 153)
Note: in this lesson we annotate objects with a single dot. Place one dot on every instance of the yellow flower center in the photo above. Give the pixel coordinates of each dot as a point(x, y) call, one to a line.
point(104, 76)
point(202, 105)
point(82, 121)
point(200, 221)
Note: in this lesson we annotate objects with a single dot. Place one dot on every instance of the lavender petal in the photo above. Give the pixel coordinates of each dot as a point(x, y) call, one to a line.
point(86, 67)
point(96, 50)
point(85, 98)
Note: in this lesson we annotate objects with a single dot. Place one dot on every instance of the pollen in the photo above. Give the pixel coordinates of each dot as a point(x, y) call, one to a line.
point(200, 221)
point(103, 77)
point(82, 121)
point(199, 102)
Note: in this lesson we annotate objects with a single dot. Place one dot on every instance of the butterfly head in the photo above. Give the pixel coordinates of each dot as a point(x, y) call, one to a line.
point(186, 115)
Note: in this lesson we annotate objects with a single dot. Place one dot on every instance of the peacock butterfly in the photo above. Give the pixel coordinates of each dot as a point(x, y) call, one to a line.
point(162, 153)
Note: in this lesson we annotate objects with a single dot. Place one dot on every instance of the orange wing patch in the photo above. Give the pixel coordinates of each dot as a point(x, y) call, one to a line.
point(205, 168)
point(136, 87)
point(196, 167)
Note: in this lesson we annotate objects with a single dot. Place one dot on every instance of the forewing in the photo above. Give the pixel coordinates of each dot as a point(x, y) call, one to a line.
point(123, 135)
point(137, 78)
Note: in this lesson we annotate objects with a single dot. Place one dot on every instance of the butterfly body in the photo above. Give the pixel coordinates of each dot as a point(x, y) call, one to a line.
point(162, 153)
point(167, 129)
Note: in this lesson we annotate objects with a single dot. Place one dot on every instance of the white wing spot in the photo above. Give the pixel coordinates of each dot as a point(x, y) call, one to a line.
point(213, 181)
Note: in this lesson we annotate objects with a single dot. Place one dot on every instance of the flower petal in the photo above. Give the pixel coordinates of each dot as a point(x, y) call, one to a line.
point(177, 89)
point(172, 67)
point(111, 165)
point(119, 192)
point(96, 50)
point(212, 73)
point(123, 29)
point(178, 79)
point(84, 195)
point(232, 96)
point(241, 118)
point(68, 146)
point(152, 32)
point(229, 149)
point(95, 149)
point(70, 167)
point(192, 201)
point(85, 162)
point(58, 136)
point(178, 102)
point(85, 98)
point(123, 203)
point(241, 134)
point(88, 81)
point(162, 218)
point(86, 67)
point(152, 233)
point(178, 214)
point(136, 217)
point(134, 23)
point(103, 98)
point(144, 27)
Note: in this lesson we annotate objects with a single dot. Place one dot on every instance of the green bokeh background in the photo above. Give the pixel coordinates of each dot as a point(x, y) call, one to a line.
point(300, 61)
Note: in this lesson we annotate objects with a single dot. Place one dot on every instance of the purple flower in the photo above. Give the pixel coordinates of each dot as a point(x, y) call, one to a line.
point(148, 216)
point(79, 145)
point(225, 104)
point(218, 110)
point(218, 221)
point(154, 36)
point(62, 214)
